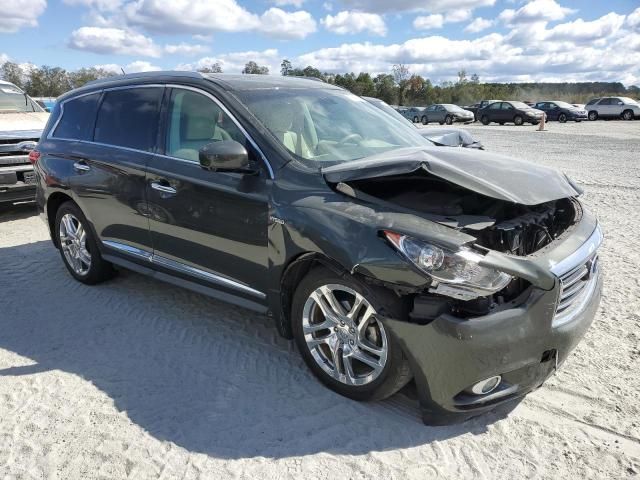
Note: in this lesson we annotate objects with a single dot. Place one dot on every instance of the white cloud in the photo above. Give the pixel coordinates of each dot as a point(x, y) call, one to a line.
point(18, 14)
point(347, 22)
point(432, 6)
point(633, 19)
point(113, 41)
point(234, 62)
point(535, 11)
point(278, 23)
point(460, 15)
point(428, 22)
point(581, 31)
point(185, 49)
point(102, 5)
point(284, 3)
point(478, 25)
point(133, 67)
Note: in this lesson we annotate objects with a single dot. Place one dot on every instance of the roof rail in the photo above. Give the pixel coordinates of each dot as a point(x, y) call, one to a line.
point(132, 76)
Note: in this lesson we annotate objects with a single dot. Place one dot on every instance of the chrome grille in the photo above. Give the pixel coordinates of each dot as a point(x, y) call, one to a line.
point(575, 285)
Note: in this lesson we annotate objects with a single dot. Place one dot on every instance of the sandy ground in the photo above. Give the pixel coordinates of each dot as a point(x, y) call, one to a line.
point(138, 379)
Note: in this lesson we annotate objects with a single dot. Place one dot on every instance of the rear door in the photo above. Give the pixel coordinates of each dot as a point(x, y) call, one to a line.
point(604, 107)
point(211, 226)
point(109, 171)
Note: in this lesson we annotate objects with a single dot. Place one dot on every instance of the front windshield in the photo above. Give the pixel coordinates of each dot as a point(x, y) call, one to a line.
point(14, 100)
point(326, 125)
point(453, 108)
point(564, 105)
point(519, 105)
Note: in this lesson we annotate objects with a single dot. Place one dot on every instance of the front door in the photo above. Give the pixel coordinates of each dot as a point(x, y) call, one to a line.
point(208, 225)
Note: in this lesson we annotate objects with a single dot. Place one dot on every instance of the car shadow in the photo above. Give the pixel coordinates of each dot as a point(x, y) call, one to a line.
point(207, 376)
point(19, 211)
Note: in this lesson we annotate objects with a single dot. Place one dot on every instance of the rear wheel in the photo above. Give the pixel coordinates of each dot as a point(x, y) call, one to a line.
point(416, 119)
point(485, 120)
point(341, 339)
point(562, 118)
point(627, 115)
point(518, 120)
point(78, 246)
point(448, 120)
point(425, 120)
point(593, 115)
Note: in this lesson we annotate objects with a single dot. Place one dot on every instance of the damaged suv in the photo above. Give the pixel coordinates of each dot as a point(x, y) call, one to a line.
point(386, 258)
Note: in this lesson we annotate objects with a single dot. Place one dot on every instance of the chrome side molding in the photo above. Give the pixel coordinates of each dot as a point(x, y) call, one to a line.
point(581, 255)
point(183, 268)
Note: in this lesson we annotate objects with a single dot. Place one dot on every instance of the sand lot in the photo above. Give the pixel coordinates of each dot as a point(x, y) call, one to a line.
point(138, 379)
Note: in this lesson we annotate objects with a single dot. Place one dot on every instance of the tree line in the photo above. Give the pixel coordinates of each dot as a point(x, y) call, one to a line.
point(400, 87)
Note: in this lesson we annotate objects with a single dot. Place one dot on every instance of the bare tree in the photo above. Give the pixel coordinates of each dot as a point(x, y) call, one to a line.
point(213, 68)
point(253, 68)
point(401, 73)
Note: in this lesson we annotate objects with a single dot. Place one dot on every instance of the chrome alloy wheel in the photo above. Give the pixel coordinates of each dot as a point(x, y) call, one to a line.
point(73, 241)
point(343, 335)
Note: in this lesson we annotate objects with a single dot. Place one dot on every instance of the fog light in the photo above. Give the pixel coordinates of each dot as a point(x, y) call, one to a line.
point(487, 385)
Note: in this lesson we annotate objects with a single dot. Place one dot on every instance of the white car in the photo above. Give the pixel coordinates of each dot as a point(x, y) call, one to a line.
point(613, 107)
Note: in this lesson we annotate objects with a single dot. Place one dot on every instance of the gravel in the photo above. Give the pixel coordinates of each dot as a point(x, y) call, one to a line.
point(138, 379)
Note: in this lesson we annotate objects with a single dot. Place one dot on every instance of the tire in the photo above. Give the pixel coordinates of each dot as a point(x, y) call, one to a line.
point(448, 120)
point(518, 120)
point(80, 254)
point(441, 123)
point(416, 119)
point(392, 370)
point(425, 120)
point(562, 118)
point(485, 120)
point(627, 115)
point(500, 123)
point(593, 115)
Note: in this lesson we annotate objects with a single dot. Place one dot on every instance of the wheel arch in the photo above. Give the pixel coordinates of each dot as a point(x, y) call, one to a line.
point(54, 202)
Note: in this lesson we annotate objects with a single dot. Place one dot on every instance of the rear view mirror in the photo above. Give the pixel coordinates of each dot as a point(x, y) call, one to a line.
point(224, 156)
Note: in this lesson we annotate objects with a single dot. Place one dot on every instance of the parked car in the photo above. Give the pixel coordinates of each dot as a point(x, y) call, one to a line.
point(21, 123)
point(561, 111)
point(415, 114)
point(613, 107)
point(479, 106)
point(384, 257)
point(511, 111)
point(446, 113)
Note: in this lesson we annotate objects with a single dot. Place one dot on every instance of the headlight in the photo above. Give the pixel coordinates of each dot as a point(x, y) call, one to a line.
point(457, 274)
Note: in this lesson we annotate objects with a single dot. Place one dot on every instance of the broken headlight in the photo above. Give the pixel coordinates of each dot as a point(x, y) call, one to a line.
point(456, 274)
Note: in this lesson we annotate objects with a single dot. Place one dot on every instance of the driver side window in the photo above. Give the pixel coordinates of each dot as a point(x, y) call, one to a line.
point(194, 121)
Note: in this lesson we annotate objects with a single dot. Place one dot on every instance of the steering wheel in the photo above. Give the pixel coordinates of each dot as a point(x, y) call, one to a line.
point(352, 136)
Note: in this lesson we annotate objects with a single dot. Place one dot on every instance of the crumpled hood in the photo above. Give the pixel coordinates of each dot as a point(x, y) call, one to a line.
point(486, 173)
point(22, 124)
point(449, 137)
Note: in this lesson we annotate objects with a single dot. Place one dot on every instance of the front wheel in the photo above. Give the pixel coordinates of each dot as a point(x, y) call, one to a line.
point(341, 338)
point(425, 120)
point(485, 120)
point(415, 119)
point(448, 120)
point(518, 120)
point(593, 115)
point(78, 246)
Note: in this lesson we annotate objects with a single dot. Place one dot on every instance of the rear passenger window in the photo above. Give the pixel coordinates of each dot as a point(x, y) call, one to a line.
point(129, 118)
point(78, 115)
point(194, 121)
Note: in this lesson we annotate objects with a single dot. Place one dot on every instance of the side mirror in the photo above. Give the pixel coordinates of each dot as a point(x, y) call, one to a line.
point(224, 156)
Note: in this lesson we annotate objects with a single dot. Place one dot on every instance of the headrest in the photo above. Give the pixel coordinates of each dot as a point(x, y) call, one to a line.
point(200, 121)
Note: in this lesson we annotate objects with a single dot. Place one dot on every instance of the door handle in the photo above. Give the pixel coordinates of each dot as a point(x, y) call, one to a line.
point(81, 167)
point(163, 188)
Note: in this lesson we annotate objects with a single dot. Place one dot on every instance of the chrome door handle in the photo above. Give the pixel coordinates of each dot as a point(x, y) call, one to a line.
point(81, 167)
point(163, 188)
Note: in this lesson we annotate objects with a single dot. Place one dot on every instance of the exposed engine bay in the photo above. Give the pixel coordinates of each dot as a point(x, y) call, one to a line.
point(498, 225)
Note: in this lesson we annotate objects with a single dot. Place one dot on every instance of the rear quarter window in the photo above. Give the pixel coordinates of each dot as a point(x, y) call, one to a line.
point(78, 115)
point(129, 118)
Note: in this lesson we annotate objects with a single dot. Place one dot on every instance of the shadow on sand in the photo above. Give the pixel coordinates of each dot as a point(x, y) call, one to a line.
point(204, 375)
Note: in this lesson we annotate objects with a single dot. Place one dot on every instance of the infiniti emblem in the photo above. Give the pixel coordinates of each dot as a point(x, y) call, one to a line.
point(27, 146)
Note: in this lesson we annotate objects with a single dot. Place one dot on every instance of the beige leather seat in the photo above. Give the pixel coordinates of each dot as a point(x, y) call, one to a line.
point(284, 122)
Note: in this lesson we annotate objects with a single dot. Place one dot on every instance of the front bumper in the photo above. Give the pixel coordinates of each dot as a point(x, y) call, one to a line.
point(17, 184)
point(524, 344)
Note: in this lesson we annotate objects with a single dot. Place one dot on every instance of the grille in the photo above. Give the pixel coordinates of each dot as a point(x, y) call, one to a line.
point(10, 154)
point(575, 285)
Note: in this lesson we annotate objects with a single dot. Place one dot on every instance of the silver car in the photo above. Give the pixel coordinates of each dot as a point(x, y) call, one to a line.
point(613, 107)
point(446, 113)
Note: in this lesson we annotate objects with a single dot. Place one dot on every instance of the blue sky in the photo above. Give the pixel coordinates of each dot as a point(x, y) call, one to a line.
point(505, 40)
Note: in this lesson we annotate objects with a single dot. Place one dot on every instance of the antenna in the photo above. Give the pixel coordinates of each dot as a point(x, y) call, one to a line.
point(123, 72)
